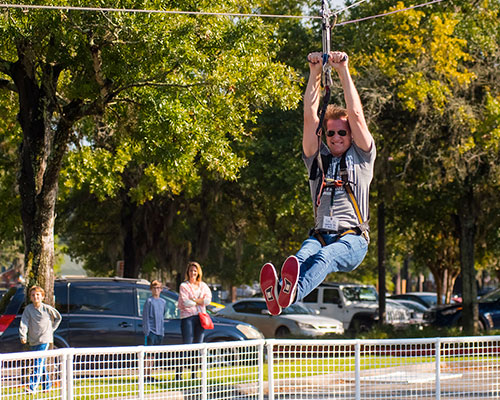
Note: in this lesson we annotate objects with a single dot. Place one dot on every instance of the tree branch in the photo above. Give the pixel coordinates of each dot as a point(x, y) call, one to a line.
point(9, 85)
point(5, 68)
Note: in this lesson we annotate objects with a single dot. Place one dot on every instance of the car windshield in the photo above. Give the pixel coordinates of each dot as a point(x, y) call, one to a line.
point(296, 309)
point(358, 293)
point(414, 306)
point(429, 298)
point(491, 297)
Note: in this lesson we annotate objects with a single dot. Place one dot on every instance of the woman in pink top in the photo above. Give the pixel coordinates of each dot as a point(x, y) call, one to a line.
point(194, 295)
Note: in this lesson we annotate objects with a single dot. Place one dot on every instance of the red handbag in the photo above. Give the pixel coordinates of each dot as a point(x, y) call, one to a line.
point(205, 320)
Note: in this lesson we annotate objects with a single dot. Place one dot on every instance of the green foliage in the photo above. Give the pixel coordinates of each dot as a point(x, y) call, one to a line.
point(169, 141)
point(213, 76)
point(10, 228)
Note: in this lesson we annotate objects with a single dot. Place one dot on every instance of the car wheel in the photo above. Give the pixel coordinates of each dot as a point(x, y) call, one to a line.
point(361, 325)
point(282, 332)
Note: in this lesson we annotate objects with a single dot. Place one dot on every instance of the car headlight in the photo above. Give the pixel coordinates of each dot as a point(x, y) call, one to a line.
point(305, 326)
point(250, 332)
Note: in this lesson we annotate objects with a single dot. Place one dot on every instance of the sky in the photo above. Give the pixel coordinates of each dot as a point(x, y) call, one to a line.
point(336, 3)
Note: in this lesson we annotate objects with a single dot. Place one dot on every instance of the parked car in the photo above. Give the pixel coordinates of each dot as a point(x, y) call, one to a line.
point(213, 307)
point(107, 312)
point(427, 299)
point(489, 312)
point(355, 305)
point(419, 313)
point(295, 320)
point(398, 314)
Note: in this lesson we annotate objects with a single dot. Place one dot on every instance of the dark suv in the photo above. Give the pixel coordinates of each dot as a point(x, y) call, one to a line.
point(107, 312)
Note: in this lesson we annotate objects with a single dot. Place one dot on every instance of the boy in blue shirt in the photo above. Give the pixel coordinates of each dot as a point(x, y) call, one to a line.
point(153, 321)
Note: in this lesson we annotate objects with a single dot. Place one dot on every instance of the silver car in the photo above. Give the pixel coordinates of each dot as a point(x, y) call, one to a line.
point(296, 320)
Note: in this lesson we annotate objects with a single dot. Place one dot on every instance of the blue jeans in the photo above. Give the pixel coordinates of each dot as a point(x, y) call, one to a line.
point(192, 331)
point(152, 339)
point(316, 262)
point(40, 376)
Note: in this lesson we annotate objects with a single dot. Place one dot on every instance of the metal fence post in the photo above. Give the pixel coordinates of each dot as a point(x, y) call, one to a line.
point(261, 370)
point(67, 383)
point(204, 374)
point(357, 370)
point(270, 368)
point(63, 375)
point(141, 371)
point(438, 368)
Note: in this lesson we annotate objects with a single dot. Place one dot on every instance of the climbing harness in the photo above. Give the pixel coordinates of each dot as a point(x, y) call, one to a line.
point(363, 226)
point(321, 162)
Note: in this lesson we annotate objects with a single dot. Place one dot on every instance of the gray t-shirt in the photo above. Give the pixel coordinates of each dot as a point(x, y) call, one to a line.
point(360, 169)
point(38, 324)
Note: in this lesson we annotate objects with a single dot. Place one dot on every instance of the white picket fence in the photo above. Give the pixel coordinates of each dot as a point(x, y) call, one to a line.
point(438, 368)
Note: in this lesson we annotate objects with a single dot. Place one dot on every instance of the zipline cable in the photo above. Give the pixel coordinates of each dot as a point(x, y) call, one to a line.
point(352, 5)
point(389, 13)
point(131, 10)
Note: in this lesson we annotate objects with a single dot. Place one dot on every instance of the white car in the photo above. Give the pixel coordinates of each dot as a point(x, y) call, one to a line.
point(296, 320)
point(420, 313)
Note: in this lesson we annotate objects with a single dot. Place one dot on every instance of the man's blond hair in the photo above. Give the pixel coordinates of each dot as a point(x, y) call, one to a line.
point(334, 112)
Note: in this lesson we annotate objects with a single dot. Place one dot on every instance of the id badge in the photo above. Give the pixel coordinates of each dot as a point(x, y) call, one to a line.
point(330, 223)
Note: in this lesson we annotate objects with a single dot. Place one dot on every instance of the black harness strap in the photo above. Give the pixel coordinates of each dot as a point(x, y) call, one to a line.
point(326, 82)
point(363, 227)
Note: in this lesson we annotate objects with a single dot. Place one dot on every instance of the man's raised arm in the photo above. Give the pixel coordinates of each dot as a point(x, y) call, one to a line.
point(311, 104)
point(359, 129)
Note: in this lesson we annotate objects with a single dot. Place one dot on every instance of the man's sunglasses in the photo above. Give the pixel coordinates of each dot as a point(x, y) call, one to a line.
point(341, 132)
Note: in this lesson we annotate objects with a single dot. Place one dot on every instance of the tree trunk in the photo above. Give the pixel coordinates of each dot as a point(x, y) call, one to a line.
point(439, 279)
point(451, 278)
point(44, 143)
point(467, 225)
point(381, 260)
point(130, 238)
point(38, 179)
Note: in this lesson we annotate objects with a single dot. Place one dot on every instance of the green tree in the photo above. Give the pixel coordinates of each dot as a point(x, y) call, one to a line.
point(159, 94)
point(207, 217)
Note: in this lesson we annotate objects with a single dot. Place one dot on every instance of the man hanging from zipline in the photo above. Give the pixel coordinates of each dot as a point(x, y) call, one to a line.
point(340, 172)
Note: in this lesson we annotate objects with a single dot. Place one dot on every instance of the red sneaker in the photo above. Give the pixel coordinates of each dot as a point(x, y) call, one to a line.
point(289, 278)
point(269, 287)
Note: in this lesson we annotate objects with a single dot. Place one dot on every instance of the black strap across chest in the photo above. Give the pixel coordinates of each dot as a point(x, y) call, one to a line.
point(319, 169)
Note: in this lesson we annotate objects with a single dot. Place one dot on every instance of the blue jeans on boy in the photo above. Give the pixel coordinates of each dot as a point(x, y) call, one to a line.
point(152, 339)
point(316, 262)
point(40, 376)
